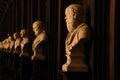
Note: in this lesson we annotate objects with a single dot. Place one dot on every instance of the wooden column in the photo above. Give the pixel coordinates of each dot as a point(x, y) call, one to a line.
point(53, 35)
point(111, 40)
point(39, 11)
point(16, 12)
point(22, 14)
point(28, 16)
point(13, 17)
point(58, 45)
point(35, 10)
point(31, 19)
point(18, 15)
point(31, 12)
point(101, 40)
point(116, 56)
point(10, 19)
point(48, 30)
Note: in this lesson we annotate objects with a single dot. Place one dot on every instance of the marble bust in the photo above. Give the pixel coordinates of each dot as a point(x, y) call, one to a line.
point(40, 41)
point(17, 46)
point(78, 34)
point(25, 56)
point(11, 43)
point(5, 44)
point(25, 47)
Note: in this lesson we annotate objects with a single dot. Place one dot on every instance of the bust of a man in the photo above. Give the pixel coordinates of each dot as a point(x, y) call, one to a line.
point(17, 47)
point(5, 43)
point(11, 43)
point(25, 47)
point(40, 41)
point(78, 34)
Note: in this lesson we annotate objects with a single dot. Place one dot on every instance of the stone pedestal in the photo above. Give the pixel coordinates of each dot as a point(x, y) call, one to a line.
point(77, 76)
point(16, 65)
point(39, 70)
point(25, 68)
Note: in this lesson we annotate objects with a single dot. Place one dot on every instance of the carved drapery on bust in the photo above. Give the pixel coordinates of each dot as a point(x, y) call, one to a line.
point(25, 47)
point(78, 34)
point(39, 42)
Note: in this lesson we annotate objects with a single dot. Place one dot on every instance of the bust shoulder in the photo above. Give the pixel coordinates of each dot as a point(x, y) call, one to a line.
point(41, 37)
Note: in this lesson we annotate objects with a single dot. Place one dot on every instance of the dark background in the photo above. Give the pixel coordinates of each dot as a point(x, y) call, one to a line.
point(101, 15)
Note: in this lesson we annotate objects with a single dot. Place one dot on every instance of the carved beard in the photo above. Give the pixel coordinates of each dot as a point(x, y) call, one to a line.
point(70, 25)
point(36, 33)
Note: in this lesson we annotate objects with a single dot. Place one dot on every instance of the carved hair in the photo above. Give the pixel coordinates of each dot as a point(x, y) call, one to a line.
point(78, 11)
point(16, 34)
point(39, 24)
point(24, 31)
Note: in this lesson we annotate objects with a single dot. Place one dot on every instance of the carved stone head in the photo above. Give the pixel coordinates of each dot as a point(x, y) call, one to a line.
point(74, 15)
point(16, 35)
point(38, 27)
point(23, 33)
point(10, 38)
